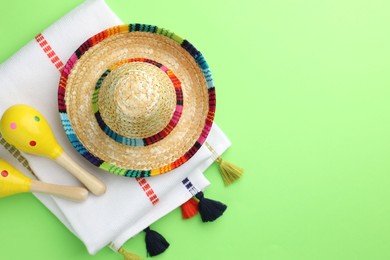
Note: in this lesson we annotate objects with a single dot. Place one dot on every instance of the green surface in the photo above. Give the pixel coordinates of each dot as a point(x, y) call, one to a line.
point(303, 93)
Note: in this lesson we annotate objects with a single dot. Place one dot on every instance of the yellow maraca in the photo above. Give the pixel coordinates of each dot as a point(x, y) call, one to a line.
point(25, 128)
point(13, 181)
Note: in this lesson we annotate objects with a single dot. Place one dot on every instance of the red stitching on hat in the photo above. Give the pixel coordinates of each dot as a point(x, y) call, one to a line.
point(49, 52)
point(148, 190)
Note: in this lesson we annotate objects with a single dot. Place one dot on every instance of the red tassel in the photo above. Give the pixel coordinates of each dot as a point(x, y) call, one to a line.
point(189, 208)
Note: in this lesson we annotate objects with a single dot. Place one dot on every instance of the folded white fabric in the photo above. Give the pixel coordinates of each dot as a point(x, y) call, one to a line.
point(31, 77)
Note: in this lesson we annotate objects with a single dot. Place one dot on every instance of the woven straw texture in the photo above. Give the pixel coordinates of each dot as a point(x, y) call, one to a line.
point(137, 100)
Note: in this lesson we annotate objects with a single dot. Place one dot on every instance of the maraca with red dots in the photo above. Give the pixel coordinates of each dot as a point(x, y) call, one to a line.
point(13, 181)
point(25, 128)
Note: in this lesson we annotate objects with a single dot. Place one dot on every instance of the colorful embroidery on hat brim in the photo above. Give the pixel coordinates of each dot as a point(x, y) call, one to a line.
point(200, 61)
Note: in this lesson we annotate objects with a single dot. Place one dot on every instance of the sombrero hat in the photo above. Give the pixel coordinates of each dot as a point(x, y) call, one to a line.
point(136, 100)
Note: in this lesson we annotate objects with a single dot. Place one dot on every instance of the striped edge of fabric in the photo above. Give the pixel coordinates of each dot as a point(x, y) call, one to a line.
point(17, 155)
point(49, 52)
point(190, 187)
point(148, 190)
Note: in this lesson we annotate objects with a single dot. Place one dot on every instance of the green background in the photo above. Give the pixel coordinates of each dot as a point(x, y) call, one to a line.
point(303, 93)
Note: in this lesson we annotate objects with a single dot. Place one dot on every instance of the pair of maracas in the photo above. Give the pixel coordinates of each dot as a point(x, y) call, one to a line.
point(25, 128)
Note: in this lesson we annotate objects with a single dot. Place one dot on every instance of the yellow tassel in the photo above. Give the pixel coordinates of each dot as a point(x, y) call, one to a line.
point(230, 172)
point(128, 255)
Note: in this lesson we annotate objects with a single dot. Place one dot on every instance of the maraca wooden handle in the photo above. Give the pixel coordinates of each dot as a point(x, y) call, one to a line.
point(77, 194)
point(93, 184)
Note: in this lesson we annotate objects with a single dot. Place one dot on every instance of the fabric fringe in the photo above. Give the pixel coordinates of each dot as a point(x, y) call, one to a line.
point(128, 255)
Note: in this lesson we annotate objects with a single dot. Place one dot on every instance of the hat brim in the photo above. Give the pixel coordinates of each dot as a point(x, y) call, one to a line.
point(134, 41)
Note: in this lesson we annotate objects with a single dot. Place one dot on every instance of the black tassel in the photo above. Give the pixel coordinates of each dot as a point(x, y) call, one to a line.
point(155, 242)
point(209, 210)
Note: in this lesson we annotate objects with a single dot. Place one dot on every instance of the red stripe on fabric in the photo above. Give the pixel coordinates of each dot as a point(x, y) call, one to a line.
point(56, 59)
point(39, 37)
point(52, 56)
point(49, 52)
point(142, 182)
point(149, 192)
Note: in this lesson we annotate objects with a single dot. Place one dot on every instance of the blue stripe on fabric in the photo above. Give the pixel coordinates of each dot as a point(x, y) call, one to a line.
point(190, 187)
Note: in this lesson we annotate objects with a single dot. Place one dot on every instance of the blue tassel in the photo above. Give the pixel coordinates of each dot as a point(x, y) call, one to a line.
point(209, 210)
point(155, 242)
